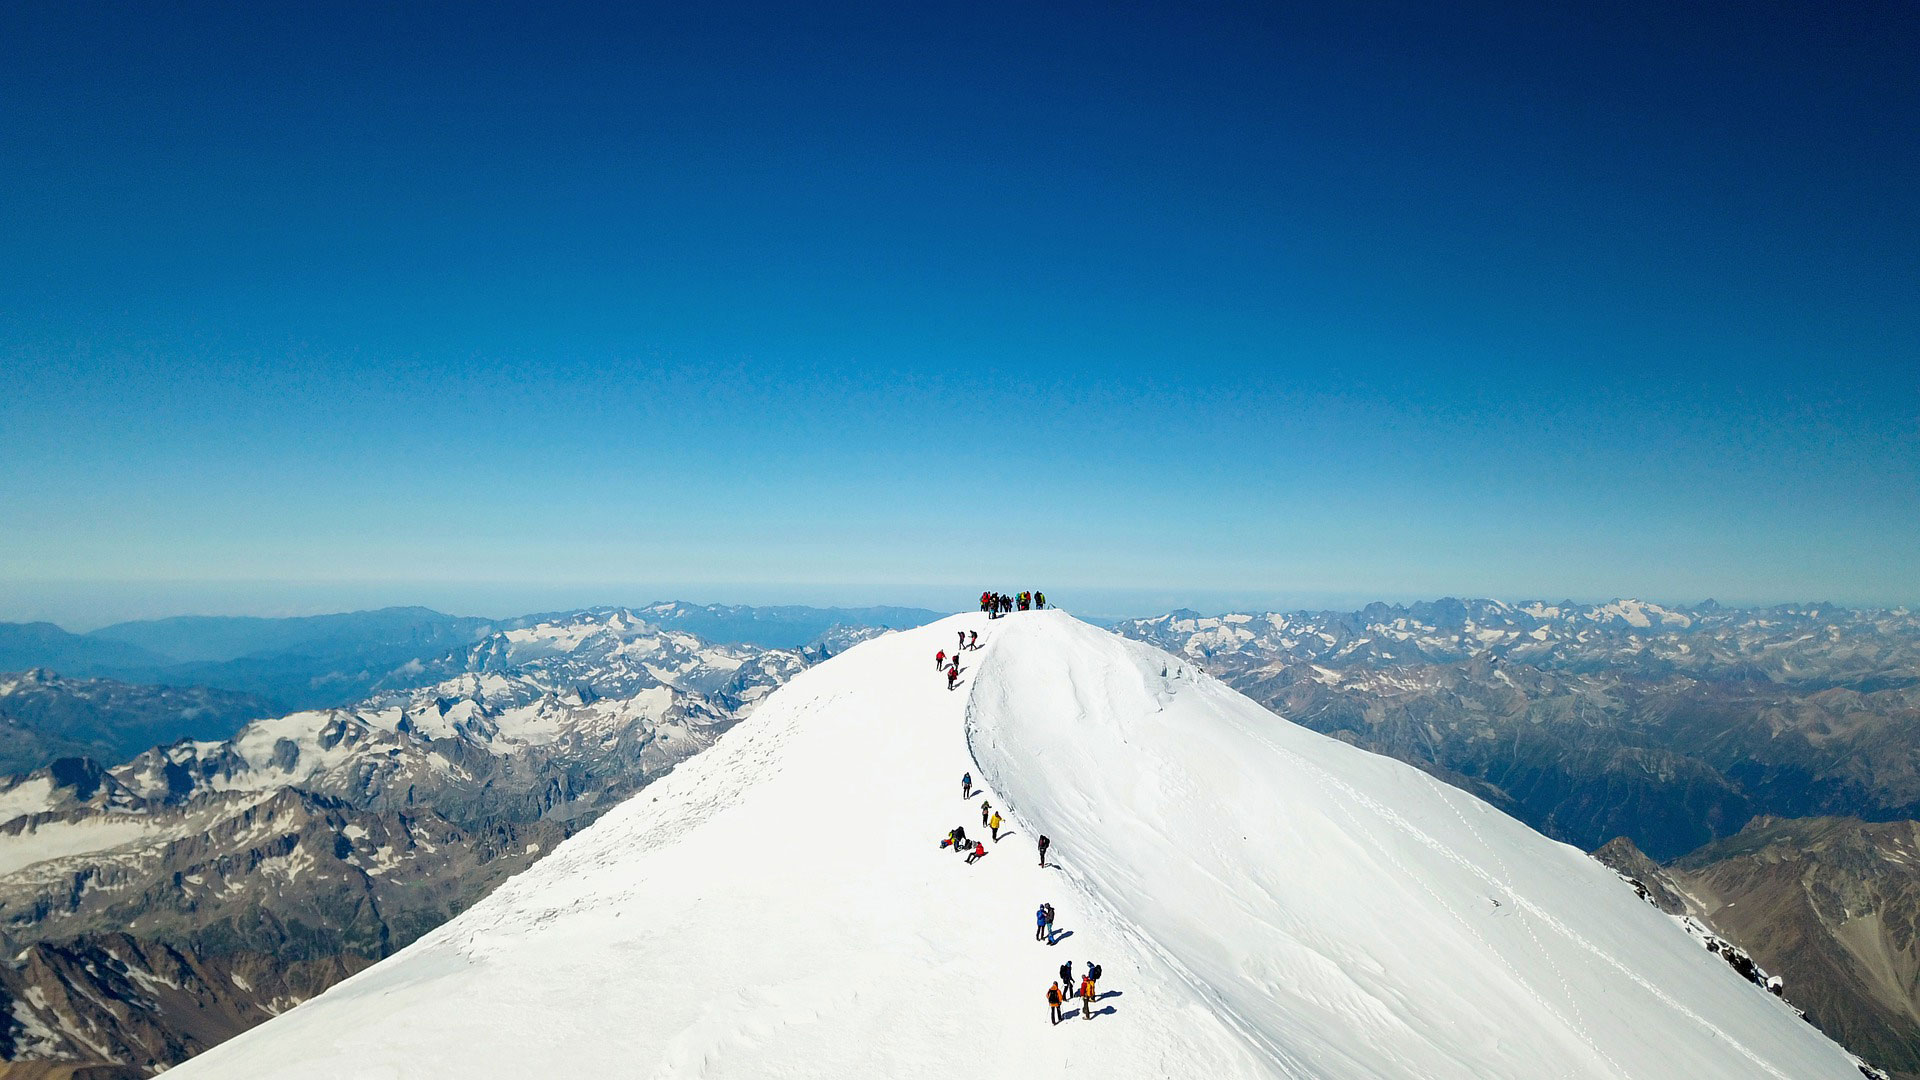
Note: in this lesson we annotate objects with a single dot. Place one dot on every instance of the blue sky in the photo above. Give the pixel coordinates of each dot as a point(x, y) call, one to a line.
point(481, 306)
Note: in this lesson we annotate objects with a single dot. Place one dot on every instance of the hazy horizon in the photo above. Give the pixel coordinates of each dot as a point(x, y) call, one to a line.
point(81, 608)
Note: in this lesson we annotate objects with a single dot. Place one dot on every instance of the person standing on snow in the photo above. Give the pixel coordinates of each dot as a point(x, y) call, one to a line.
point(973, 639)
point(985, 809)
point(1044, 842)
point(953, 675)
point(1086, 997)
point(995, 825)
point(966, 785)
point(1093, 977)
point(1039, 600)
point(939, 659)
point(1066, 973)
point(1040, 925)
point(1053, 1001)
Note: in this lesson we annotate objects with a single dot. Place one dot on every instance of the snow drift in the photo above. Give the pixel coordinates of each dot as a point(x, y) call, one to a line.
point(1266, 902)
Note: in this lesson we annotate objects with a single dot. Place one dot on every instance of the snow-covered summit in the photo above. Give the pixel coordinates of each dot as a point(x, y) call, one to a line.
point(1266, 902)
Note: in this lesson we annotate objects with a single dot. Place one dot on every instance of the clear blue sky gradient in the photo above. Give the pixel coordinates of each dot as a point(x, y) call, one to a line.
point(1265, 301)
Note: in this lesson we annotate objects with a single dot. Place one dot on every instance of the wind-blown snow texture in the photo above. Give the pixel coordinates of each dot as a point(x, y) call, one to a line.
point(1266, 902)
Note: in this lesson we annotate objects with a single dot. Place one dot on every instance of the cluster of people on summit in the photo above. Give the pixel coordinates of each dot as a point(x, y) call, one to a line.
point(1063, 990)
point(998, 604)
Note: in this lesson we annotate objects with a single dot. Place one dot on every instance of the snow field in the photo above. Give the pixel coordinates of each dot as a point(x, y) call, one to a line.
point(1266, 902)
point(777, 907)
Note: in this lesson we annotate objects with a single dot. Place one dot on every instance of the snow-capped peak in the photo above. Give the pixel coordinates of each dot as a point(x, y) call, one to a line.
point(1265, 902)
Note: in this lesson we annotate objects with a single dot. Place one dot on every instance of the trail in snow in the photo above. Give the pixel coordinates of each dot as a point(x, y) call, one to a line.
point(1268, 903)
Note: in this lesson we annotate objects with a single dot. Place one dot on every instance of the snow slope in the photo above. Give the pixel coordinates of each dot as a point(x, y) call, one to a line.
point(1266, 902)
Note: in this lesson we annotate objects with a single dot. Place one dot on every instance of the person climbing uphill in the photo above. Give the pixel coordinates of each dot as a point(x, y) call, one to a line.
point(995, 826)
point(979, 852)
point(1043, 850)
point(953, 675)
point(1053, 1001)
point(940, 659)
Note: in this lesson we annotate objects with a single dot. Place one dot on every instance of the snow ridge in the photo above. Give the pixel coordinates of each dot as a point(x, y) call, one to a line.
point(1266, 902)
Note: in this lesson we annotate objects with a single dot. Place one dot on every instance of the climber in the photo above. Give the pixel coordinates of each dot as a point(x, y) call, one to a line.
point(995, 826)
point(985, 809)
point(1043, 850)
point(1053, 1001)
point(953, 675)
point(1066, 973)
point(1040, 920)
point(966, 785)
point(1086, 997)
point(939, 659)
point(979, 852)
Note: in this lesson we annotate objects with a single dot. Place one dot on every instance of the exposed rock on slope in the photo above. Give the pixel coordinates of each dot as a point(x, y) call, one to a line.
point(1833, 906)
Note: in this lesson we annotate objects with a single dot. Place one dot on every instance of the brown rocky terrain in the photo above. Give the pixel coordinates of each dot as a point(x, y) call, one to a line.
point(1831, 905)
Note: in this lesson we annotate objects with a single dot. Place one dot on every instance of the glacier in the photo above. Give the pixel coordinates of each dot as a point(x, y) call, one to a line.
point(1265, 902)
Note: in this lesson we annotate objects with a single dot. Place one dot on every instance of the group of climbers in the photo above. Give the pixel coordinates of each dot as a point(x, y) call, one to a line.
point(1087, 992)
point(950, 662)
point(1063, 991)
point(998, 604)
point(957, 836)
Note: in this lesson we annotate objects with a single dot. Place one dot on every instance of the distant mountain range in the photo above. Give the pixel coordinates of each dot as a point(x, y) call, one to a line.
point(323, 661)
point(45, 717)
point(1673, 726)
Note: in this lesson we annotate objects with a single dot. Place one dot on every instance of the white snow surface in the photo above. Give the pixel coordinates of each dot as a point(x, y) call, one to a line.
point(1266, 902)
